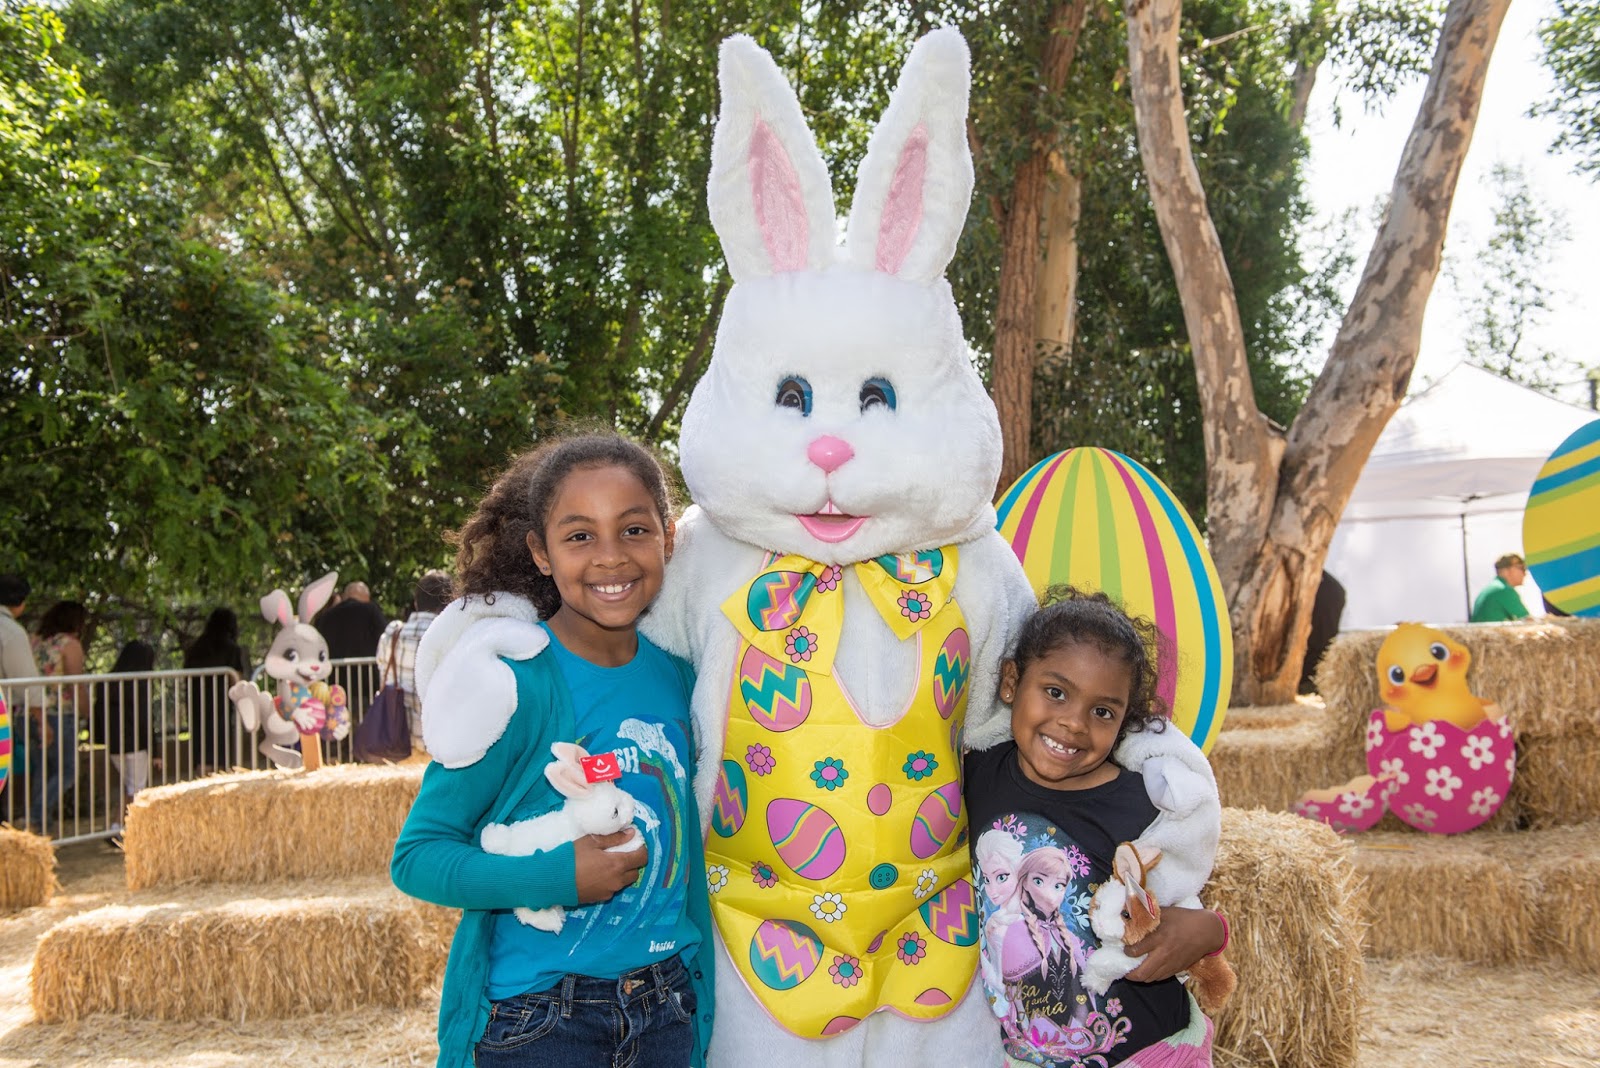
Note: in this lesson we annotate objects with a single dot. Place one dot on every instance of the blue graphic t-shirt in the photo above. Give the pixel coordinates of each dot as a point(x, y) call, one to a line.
point(1038, 857)
point(640, 711)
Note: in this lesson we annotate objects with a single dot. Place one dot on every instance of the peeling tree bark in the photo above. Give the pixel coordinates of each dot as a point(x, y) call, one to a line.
point(1055, 319)
point(1271, 514)
point(1011, 372)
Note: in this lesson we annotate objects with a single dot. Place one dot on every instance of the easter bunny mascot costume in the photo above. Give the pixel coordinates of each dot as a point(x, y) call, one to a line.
point(839, 584)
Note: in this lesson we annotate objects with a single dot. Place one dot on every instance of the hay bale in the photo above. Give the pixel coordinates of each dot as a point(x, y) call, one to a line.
point(1541, 673)
point(1268, 756)
point(27, 870)
point(1564, 863)
point(1489, 897)
point(296, 949)
point(261, 826)
point(1448, 896)
point(1295, 904)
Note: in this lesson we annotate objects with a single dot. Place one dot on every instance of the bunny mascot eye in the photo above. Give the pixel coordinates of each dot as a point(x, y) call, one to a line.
point(877, 393)
point(795, 393)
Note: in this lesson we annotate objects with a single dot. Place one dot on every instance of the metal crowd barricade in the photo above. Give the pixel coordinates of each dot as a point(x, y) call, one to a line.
point(71, 787)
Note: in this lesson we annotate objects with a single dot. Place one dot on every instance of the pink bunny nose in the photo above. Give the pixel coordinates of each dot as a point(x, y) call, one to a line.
point(829, 453)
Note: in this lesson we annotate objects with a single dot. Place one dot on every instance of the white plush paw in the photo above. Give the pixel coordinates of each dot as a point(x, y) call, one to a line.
point(551, 919)
point(496, 838)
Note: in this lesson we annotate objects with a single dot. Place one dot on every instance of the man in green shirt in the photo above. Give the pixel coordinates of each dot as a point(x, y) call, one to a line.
point(1499, 599)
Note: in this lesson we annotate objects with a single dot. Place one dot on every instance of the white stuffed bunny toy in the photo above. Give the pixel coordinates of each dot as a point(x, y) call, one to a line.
point(1124, 910)
point(590, 808)
point(839, 585)
point(305, 706)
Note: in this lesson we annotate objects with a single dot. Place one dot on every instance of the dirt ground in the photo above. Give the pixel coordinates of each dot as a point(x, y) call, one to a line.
point(1421, 1012)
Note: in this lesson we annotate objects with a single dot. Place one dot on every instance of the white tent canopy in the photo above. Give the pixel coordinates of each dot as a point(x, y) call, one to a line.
point(1442, 496)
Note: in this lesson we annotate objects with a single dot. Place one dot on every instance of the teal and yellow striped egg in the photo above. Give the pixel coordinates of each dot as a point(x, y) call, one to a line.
point(1561, 527)
point(5, 744)
point(1097, 520)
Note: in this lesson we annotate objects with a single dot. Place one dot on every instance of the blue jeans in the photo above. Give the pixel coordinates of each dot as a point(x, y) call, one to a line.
point(645, 1018)
point(55, 772)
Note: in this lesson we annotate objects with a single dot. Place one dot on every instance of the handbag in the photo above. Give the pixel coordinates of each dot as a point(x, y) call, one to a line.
point(384, 733)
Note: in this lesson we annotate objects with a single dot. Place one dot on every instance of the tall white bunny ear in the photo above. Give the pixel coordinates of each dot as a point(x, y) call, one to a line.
point(275, 608)
point(770, 198)
point(314, 596)
point(916, 181)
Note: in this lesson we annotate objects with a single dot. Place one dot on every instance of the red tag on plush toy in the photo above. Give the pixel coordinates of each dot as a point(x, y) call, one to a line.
point(602, 767)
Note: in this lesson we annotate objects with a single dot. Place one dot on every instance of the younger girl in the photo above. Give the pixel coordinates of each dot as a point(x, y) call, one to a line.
point(1083, 675)
point(567, 550)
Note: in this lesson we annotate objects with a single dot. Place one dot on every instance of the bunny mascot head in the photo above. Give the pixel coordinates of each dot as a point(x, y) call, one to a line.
point(839, 583)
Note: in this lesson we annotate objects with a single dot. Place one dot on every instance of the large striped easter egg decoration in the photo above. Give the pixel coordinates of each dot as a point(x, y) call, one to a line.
point(1561, 527)
point(5, 743)
point(806, 837)
point(1097, 520)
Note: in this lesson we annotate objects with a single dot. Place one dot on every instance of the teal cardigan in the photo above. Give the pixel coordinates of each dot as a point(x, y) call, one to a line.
point(437, 857)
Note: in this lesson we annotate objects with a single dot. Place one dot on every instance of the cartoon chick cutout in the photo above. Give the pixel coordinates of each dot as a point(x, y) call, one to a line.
point(1422, 675)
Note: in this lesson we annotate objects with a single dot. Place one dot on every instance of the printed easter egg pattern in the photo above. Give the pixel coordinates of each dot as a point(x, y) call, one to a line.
point(952, 914)
point(1561, 526)
point(936, 820)
point(784, 953)
point(777, 599)
point(1097, 520)
point(950, 670)
point(807, 839)
point(730, 800)
point(879, 798)
point(777, 695)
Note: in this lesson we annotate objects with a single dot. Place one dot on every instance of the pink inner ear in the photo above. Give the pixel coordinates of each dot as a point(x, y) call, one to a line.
point(902, 211)
point(780, 206)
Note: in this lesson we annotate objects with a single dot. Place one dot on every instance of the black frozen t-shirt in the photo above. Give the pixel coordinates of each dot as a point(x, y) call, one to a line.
point(1038, 856)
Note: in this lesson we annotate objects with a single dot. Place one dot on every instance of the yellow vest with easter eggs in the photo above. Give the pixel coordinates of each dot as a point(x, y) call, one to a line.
point(837, 860)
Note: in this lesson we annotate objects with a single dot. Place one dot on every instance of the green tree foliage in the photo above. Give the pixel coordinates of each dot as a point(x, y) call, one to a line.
point(1128, 381)
point(1572, 52)
point(1506, 286)
point(172, 427)
point(290, 282)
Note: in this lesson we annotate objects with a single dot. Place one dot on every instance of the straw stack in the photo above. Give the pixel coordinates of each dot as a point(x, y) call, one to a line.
point(219, 953)
point(1490, 897)
point(1543, 674)
point(1267, 756)
point(259, 826)
point(27, 870)
point(1295, 905)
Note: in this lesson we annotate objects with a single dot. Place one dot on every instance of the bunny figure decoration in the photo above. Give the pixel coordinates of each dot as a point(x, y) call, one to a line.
point(305, 709)
point(839, 584)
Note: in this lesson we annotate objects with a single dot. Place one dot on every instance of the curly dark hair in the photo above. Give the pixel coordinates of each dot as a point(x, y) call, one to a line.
point(492, 548)
point(1070, 616)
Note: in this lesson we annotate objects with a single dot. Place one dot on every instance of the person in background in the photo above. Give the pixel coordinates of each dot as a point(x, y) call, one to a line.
point(352, 629)
point(354, 625)
point(1499, 600)
point(59, 652)
point(1326, 611)
point(212, 728)
point(125, 723)
point(432, 594)
point(16, 662)
point(16, 650)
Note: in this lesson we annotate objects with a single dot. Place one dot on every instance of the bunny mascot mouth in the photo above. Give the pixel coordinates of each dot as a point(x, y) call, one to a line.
point(831, 525)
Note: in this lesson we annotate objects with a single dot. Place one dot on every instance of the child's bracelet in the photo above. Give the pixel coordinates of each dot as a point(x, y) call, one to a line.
point(1226, 933)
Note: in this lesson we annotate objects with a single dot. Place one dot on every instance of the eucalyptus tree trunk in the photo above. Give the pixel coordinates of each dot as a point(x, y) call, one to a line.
point(1022, 221)
point(1273, 501)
